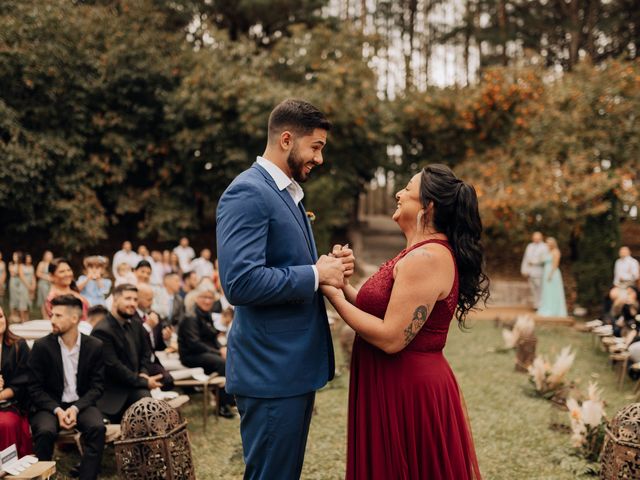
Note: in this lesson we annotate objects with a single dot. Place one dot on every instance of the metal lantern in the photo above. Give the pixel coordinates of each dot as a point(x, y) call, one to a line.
point(621, 451)
point(154, 443)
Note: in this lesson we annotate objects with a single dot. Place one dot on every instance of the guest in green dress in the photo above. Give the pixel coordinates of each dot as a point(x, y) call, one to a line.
point(29, 274)
point(44, 279)
point(18, 290)
point(552, 301)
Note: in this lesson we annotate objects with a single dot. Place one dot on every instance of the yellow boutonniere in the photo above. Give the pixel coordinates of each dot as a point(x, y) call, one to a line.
point(311, 216)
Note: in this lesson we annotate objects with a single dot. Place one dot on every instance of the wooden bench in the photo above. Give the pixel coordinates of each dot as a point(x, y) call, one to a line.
point(72, 437)
point(37, 471)
point(214, 381)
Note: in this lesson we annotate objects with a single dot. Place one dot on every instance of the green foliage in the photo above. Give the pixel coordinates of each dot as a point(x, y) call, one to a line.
point(597, 246)
point(120, 114)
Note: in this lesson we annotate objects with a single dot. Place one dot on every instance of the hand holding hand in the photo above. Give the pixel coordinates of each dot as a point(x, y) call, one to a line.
point(345, 254)
point(330, 271)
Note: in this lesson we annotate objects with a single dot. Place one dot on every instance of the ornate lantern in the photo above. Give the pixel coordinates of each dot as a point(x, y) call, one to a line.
point(154, 443)
point(621, 451)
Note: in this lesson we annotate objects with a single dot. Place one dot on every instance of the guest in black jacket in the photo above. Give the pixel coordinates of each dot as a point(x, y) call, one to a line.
point(126, 355)
point(156, 334)
point(14, 376)
point(66, 378)
point(198, 344)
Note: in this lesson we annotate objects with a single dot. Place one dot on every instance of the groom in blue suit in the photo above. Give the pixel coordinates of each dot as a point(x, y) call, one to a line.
point(279, 348)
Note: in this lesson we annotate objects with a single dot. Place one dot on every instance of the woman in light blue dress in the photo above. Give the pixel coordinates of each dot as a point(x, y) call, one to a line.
point(552, 301)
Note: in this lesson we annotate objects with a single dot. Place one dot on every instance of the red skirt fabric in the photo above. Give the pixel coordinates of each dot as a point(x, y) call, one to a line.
point(406, 418)
point(14, 428)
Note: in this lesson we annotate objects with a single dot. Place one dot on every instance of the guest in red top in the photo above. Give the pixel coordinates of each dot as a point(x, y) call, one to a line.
point(14, 425)
point(62, 283)
point(406, 415)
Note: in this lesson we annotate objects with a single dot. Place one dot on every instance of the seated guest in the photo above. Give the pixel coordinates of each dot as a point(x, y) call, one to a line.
point(126, 355)
point(156, 336)
point(14, 373)
point(167, 302)
point(66, 378)
point(95, 315)
point(62, 283)
point(198, 339)
point(189, 283)
point(142, 272)
point(93, 284)
point(202, 265)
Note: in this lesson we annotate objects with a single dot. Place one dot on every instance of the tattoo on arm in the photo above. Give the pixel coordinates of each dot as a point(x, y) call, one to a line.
point(419, 318)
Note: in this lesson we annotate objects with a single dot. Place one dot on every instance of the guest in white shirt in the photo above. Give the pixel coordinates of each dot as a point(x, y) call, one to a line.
point(626, 272)
point(157, 268)
point(66, 378)
point(126, 255)
point(532, 265)
point(203, 265)
point(185, 254)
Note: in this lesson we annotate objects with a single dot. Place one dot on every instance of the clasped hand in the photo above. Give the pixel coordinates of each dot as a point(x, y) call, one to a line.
point(67, 418)
point(340, 265)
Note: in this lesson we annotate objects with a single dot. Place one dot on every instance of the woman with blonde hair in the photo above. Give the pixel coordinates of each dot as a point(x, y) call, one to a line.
point(198, 343)
point(552, 300)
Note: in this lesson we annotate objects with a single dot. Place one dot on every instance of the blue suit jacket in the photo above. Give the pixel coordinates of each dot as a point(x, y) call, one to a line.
point(280, 342)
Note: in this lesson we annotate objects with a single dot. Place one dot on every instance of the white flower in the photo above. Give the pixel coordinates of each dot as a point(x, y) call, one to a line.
point(592, 412)
point(563, 363)
point(593, 392)
point(538, 371)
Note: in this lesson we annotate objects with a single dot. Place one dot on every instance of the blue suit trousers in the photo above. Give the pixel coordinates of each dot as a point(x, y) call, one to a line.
point(274, 435)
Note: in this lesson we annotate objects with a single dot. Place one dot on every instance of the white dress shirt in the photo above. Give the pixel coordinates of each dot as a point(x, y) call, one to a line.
point(70, 367)
point(533, 260)
point(203, 267)
point(122, 256)
point(185, 255)
point(294, 189)
point(626, 272)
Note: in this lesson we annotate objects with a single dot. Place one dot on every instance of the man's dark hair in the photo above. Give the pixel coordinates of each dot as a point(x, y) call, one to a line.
point(297, 116)
point(142, 263)
point(171, 274)
point(97, 310)
point(70, 301)
point(186, 275)
point(124, 287)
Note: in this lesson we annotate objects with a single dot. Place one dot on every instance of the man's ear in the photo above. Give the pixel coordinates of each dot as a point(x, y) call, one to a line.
point(286, 140)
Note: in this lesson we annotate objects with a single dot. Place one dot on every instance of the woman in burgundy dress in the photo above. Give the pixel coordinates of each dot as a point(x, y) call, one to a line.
point(406, 414)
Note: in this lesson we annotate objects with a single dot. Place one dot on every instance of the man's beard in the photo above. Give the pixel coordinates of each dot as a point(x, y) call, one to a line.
point(296, 165)
point(124, 314)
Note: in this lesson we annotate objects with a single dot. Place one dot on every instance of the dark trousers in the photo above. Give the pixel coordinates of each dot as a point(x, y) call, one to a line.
point(274, 435)
point(45, 428)
point(132, 397)
point(210, 362)
point(156, 368)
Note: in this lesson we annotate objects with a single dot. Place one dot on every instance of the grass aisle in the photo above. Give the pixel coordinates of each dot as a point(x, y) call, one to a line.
point(511, 428)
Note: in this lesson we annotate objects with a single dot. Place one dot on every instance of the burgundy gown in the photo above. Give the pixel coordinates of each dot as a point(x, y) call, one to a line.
point(406, 414)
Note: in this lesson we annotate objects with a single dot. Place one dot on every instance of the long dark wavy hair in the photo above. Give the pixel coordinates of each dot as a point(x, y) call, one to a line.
point(455, 213)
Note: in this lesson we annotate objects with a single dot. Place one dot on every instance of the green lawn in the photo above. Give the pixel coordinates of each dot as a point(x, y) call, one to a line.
point(511, 428)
